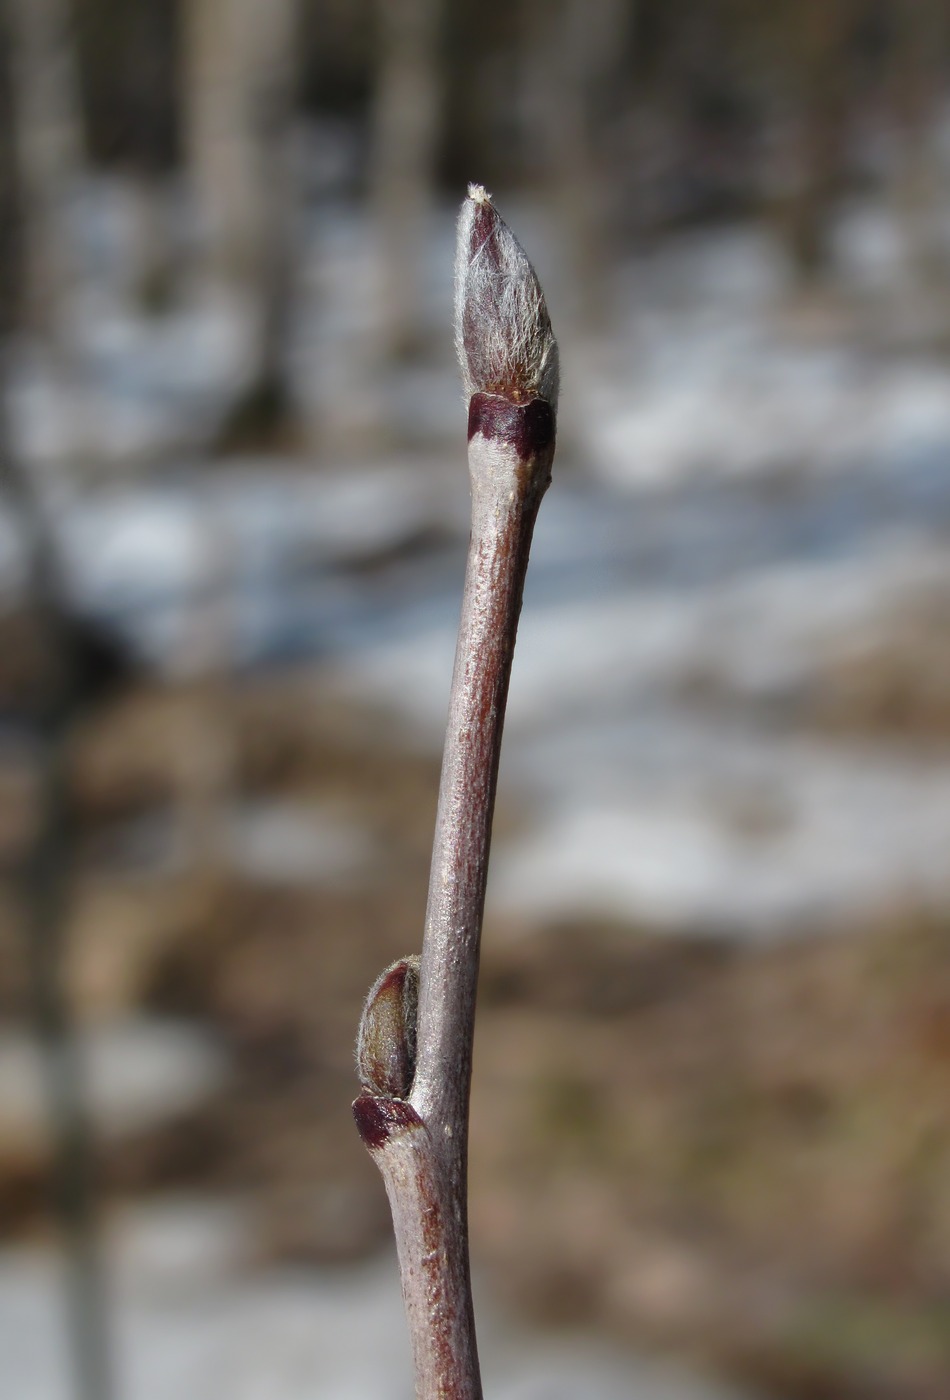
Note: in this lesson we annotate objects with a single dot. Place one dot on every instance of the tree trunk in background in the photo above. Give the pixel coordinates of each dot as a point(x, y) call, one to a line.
point(572, 51)
point(817, 34)
point(26, 213)
point(11, 221)
point(148, 42)
point(919, 51)
point(239, 80)
point(153, 253)
point(48, 133)
point(405, 130)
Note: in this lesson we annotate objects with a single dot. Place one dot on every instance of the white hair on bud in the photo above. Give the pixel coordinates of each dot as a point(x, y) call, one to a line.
point(502, 329)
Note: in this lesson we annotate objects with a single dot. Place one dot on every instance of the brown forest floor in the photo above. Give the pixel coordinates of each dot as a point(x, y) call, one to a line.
point(740, 1152)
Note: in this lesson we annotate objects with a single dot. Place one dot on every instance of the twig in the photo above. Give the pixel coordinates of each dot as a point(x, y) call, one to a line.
point(416, 1070)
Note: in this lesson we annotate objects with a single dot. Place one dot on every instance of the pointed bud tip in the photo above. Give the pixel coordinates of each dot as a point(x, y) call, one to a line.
point(502, 328)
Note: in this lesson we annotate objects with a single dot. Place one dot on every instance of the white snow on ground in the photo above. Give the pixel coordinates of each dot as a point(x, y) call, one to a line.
point(637, 807)
point(297, 844)
point(190, 1323)
point(702, 374)
point(740, 405)
point(788, 458)
point(762, 631)
point(138, 1072)
point(697, 828)
point(707, 375)
point(135, 384)
point(150, 541)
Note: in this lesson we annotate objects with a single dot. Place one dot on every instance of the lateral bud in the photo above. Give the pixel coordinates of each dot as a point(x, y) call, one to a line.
point(386, 1044)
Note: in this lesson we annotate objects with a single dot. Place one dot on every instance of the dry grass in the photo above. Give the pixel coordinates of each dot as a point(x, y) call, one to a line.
point(743, 1152)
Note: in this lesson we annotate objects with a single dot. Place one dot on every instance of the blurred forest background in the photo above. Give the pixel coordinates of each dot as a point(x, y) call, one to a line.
point(711, 1109)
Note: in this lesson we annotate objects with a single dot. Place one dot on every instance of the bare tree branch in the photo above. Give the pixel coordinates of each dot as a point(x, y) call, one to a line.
point(419, 1139)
